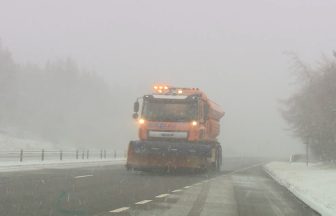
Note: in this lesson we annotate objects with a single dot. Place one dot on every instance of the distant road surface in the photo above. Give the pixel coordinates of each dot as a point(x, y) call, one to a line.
point(242, 188)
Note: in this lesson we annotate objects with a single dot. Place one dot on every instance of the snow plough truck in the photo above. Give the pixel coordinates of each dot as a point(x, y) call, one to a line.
point(178, 128)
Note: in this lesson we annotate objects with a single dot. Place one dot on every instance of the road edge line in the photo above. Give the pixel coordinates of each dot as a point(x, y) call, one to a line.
point(291, 189)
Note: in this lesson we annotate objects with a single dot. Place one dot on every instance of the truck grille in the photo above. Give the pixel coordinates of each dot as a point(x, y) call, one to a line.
point(168, 135)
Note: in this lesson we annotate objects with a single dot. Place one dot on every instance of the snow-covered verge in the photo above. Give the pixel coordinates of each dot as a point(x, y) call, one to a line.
point(314, 185)
point(36, 165)
point(11, 146)
point(10, 142)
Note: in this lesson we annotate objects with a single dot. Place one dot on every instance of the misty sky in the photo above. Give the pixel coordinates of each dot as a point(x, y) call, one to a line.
point(233, 50)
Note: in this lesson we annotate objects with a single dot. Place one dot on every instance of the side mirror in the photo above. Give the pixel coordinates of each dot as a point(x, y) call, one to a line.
point(136, 107)
point(135, 116)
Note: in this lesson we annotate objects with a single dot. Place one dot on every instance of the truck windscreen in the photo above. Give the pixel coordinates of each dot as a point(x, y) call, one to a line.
point(162, 110)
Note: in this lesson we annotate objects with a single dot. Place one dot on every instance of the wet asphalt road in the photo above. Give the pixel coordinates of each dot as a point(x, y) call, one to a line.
point(242, 188)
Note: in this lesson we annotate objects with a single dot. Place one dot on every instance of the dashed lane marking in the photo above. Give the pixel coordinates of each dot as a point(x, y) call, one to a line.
point(83, 176)
point(119, 210)
point(143, 202)
point(162, 195)
point(174, 191)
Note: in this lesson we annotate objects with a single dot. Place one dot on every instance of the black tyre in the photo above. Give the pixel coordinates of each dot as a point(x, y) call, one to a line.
point(217, 164)
point(218, 159)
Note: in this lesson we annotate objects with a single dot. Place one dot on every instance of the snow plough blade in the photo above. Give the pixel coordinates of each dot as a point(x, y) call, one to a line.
point(149, 155)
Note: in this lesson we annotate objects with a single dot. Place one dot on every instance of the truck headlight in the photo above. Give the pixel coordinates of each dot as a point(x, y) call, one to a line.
point(194, 123)
point(141, 121)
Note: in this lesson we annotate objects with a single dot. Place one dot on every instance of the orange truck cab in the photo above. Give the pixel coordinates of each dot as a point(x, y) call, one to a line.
point(178, 128)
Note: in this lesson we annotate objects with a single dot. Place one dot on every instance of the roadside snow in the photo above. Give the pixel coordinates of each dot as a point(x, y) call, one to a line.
point(10, 147)
point(315, 185)
point(9, 142)
point(36, 165)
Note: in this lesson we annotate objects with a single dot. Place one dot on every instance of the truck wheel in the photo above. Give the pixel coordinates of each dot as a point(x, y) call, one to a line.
point(218, 159)
point(129, 168)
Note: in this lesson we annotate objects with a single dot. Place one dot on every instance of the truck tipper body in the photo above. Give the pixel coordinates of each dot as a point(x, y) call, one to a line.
point(178, 128)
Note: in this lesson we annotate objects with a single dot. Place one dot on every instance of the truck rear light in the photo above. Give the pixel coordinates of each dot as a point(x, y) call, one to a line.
point(141, 121)
point(194, 123)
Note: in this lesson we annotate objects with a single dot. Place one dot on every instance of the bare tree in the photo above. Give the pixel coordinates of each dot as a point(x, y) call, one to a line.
point(311, 111)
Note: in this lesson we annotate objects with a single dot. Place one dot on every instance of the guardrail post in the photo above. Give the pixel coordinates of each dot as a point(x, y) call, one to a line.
point(83, 155)
point(61, 155)
point(21, 155)
point(115, 154)
point(104, 154)
point(101, 154)
point(42, 155)
point(77, 154)
point(87, 154)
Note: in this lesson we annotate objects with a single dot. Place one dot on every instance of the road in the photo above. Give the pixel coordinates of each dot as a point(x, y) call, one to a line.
point(241, 188)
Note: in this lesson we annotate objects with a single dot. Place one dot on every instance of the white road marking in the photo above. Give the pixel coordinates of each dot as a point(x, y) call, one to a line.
point(162, 195)
point(143, 202)
point(83, 176)
point(246, 168)
point(174, 191)
point(119, 210)
point(235, 171)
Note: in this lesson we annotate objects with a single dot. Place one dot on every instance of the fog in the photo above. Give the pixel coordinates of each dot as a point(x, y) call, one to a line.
point(233, 50)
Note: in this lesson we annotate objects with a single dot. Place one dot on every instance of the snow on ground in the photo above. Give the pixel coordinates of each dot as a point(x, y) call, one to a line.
point(315, 185)
point(56, 164)
point(10, 146)
point(10, 142)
